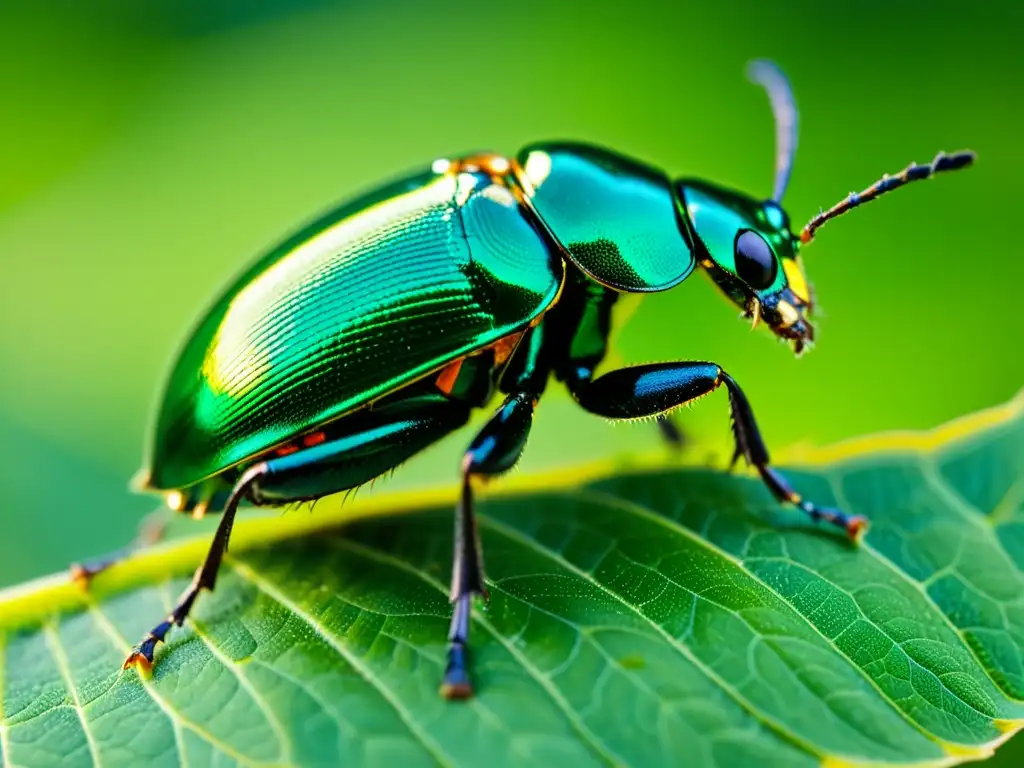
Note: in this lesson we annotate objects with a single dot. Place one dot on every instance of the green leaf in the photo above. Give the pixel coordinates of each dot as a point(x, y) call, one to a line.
point(656, 616)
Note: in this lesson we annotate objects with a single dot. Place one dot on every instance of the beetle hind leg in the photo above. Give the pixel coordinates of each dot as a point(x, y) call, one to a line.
point(151, 531)
point(371, 444)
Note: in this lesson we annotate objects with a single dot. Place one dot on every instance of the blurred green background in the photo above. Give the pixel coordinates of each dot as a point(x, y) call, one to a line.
point(148, 150)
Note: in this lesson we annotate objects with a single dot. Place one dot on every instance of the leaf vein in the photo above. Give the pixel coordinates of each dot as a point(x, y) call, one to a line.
point(778, 728)
point(339, 720)
point(968, 512)
point(262, 704)
point(866, 547)
point(671, 525)
point(174, 715)
point(270, 590)
point(543, 680)
point(53, 642)
point(899, 644)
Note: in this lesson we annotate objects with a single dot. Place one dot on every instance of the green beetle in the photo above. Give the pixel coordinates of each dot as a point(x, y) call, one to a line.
point(374, 332)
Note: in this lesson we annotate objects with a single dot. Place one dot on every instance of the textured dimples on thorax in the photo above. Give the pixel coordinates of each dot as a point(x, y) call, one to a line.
point(615, 217)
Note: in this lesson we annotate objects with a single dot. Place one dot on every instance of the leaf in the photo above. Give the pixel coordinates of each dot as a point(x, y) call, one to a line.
point(655, 617)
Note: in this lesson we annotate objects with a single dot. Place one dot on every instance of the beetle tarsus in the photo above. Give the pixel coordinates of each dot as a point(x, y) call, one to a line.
point(82, 573)
point(138, 659)
point(854, 525)
point(142, 655)
point(457, 683)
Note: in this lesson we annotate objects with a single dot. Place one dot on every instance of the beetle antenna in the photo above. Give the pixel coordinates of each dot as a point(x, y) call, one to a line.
point(887, 183)
point(780, 94)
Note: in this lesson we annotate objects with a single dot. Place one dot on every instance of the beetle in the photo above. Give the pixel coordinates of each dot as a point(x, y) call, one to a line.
point(375, 330)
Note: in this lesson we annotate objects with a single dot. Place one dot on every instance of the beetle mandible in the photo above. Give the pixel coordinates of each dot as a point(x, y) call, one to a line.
point(375, 330)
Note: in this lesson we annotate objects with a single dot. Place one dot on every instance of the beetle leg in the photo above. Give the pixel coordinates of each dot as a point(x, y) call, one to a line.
point(495, 450)
point(205, 576)
point(752, 447)
point(151, 531)
point(670, 432)
point(378, 441)
point(654, 389)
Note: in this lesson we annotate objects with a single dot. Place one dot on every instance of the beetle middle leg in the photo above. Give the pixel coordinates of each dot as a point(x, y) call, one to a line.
point(657, 388)
point(495, 450)
point(372, 443)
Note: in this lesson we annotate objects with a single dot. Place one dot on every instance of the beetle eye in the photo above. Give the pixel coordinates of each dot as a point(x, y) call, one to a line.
point(755, 262)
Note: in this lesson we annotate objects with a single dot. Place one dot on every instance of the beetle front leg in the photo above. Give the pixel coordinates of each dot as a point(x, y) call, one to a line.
point(670, 431)
point(651, 390)
point(495, 450)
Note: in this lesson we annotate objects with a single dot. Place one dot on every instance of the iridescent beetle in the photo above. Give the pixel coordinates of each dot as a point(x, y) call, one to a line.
point(374, 331)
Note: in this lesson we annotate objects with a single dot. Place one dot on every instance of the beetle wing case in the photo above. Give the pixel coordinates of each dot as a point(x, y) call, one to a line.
point(367, 299)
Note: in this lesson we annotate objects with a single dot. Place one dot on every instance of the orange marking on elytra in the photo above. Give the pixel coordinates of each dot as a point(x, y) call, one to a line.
point(314, 439)
point(504, 347)
point(448, 376)
point(285, 450)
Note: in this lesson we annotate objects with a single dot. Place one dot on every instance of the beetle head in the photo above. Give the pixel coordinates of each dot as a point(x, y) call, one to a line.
point(747, 248)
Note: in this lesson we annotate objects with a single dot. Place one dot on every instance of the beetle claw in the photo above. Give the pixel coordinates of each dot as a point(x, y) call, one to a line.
point(81, 575)
point(856, 527)
point(140, 660)
point(141, 656)
point(457, 685)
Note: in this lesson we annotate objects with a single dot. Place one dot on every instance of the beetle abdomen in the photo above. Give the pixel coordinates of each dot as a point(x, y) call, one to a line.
point(365, 301)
